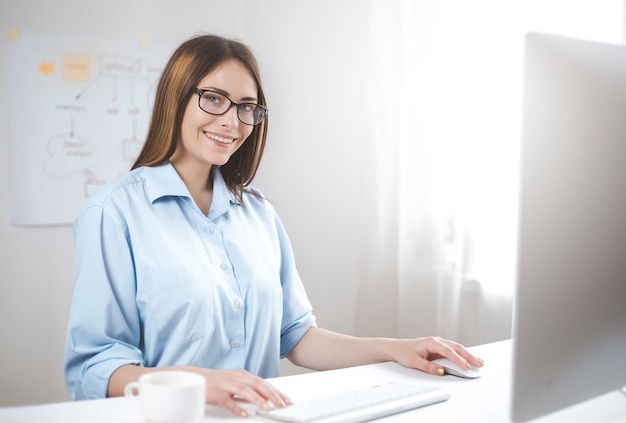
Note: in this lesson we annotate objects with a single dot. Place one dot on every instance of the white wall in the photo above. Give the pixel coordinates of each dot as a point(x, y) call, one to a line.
point(311, 53)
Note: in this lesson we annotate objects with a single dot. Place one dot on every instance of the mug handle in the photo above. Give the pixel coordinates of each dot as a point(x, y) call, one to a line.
point(132, 389)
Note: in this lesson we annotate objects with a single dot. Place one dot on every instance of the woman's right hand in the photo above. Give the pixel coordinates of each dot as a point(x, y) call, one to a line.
point(226, 387)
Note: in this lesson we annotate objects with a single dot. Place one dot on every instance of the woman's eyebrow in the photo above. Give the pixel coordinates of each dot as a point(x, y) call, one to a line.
point(227, 94)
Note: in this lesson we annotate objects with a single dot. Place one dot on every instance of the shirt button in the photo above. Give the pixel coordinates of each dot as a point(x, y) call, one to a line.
point(211, 230)
point(236, 304)
point(233, 344)
point(223, 266)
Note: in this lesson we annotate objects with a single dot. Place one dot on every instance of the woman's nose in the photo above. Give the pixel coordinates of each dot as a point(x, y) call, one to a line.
point(230, 117)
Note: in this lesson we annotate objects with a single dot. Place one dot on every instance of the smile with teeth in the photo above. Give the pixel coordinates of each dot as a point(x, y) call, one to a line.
point(220, 139)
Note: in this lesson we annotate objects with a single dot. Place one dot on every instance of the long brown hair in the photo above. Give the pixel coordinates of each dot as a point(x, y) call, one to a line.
point(191, 62)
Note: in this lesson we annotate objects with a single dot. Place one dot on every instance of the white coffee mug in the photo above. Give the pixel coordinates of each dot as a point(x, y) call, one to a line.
point(170, 396)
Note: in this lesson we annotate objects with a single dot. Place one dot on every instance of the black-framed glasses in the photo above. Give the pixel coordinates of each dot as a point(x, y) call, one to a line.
point(216, 103)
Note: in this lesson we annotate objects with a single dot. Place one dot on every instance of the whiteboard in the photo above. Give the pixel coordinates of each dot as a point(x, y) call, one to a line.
point(79, 113)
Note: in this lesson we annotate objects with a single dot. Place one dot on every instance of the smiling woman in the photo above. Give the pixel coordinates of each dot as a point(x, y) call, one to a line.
point(173, 242)
point(182, 265)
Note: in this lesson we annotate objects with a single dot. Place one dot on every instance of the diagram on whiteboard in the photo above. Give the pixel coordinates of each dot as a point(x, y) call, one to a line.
point(79, 110)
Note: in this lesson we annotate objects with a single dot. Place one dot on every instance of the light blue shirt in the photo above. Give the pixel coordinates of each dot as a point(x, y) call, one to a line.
point(159, 283)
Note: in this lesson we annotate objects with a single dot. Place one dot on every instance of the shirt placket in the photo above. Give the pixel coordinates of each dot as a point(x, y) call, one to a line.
point(235, 318)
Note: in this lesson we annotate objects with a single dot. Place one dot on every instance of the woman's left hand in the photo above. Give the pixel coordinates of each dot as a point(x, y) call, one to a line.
point(418, 354)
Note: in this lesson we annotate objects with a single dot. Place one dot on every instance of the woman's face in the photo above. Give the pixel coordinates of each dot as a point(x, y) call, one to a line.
point(207, 139)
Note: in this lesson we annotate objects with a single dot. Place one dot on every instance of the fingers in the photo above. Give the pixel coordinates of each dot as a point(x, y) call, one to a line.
point(262, 394)
point(418, 353)
point(462, 353)
point(443, 348)
point(227, 387)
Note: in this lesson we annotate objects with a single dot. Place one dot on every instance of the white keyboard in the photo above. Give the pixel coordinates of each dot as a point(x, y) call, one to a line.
point(359, 405)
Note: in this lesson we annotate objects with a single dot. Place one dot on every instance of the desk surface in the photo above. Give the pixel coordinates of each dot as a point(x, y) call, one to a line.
point(483, 400)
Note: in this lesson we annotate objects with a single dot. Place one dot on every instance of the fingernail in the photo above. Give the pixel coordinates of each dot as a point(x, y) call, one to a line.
point(439, 371)
point(480, 360)
point(266, 406)
point(469, 366)
point(243, 413)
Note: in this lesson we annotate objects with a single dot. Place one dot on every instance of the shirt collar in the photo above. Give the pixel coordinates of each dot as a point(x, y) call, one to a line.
point(164, 181)
point(222, 197)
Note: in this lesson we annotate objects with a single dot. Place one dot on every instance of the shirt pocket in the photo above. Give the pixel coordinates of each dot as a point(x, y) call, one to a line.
point(180, 305)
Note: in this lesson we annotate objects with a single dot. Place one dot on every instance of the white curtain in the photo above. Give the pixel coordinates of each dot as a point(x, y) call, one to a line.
point(445, 99)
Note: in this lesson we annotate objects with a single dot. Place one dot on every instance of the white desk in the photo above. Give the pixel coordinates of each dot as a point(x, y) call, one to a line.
point(483, 400)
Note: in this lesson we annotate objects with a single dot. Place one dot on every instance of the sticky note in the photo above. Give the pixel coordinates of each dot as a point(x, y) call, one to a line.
point(76, 66)
point(145, 42)
point(13, 34)
point(46, 67)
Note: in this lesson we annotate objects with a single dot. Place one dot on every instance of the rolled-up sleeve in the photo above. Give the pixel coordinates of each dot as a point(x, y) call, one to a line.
point(104, 330)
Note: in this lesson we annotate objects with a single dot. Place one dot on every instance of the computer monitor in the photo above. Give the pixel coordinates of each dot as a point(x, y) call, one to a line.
point(569, 326)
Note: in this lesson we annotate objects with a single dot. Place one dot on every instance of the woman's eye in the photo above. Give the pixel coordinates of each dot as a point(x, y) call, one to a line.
point(213, 99)
point(247, 107)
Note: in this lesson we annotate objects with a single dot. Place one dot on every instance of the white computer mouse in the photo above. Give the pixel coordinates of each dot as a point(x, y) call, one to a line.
point(451, 368)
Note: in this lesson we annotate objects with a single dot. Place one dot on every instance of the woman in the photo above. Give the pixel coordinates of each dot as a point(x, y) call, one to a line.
point(182, 264)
